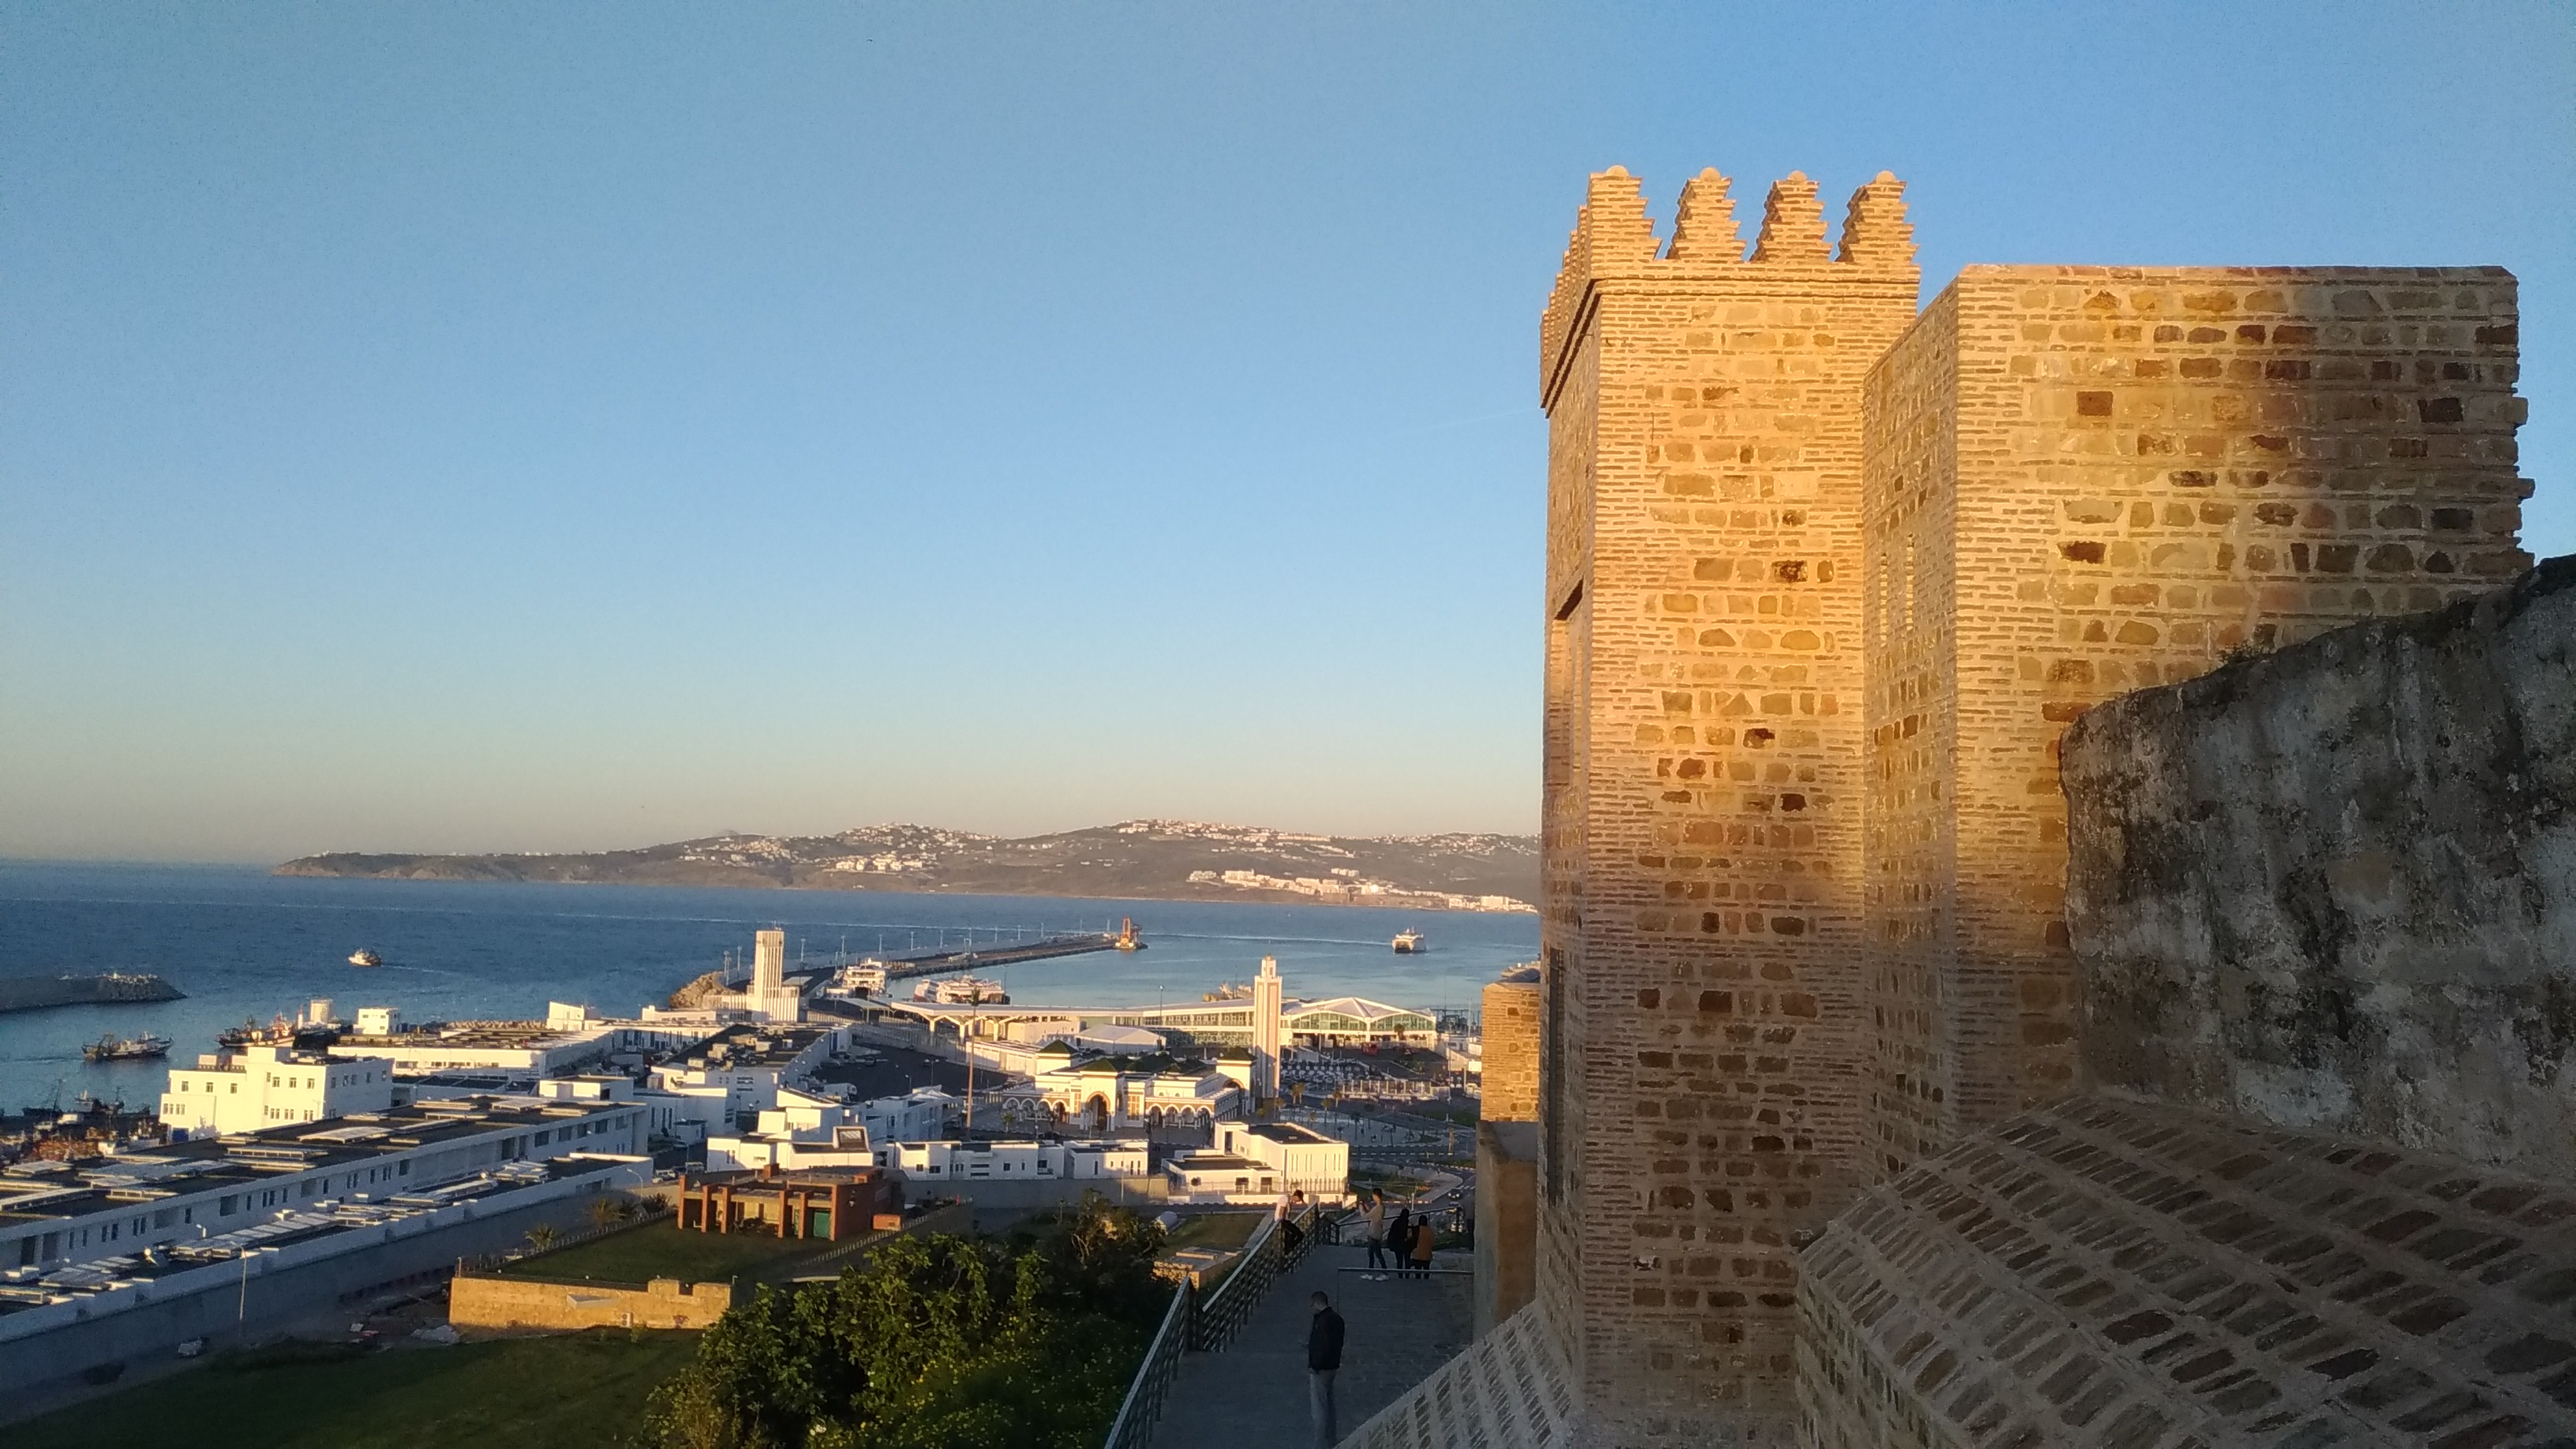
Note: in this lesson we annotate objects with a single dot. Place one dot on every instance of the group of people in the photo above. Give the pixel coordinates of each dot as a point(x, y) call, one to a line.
point(1407, 1239)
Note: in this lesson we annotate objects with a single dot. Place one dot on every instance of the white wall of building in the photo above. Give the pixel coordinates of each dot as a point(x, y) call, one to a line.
point(270, 1086)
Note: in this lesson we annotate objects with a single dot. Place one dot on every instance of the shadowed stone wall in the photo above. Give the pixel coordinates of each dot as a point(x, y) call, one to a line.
point(2335, 887)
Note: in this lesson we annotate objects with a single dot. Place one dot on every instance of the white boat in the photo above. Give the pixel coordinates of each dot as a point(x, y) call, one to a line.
point(1408, 942)
point(364, 957)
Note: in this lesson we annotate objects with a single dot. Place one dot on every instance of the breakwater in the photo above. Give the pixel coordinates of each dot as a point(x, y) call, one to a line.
point(34, 993)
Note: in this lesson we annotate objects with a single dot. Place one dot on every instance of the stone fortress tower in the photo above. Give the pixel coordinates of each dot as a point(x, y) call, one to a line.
point(1827, 578)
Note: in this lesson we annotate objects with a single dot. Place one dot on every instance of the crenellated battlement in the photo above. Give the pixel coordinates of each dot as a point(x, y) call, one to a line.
point(1614, 236)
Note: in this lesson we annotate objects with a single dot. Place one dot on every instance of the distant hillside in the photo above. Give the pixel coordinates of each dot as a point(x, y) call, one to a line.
point(1150, 859)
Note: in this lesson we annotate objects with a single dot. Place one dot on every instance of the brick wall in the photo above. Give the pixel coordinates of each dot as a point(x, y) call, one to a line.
point(1511, 1045)
point(1702, 808)
point(2086, 480)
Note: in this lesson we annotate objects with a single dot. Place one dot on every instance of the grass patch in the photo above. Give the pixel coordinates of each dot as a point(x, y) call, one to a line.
point(1219, 1231)
point(660, 1250)
point(577, 1389)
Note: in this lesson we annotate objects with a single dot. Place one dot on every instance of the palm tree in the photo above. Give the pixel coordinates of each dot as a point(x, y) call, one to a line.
point(542, 1236)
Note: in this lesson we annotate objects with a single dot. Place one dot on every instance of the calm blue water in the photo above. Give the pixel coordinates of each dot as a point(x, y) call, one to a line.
point(246, 945)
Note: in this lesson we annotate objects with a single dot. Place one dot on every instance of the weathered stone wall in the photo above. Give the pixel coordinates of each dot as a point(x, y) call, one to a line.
point(1701, 925)
point(489, 1301)
point(2334, 887)
point(2085, 480)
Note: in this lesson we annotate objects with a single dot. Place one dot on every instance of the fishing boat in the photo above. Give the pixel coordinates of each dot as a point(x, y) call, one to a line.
point(364, 957)
point(1408, 943)
point(111, 1048)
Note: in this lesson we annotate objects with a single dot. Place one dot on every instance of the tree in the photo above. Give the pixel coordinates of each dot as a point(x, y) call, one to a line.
point(542, 1236)
point(938, 1343)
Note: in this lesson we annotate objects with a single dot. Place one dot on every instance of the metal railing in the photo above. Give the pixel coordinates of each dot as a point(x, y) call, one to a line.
point(1264, 1259)
point(1143, 1407)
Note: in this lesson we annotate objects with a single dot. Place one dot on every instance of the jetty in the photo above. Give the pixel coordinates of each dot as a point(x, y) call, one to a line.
point(934, 963)
point(34, 993)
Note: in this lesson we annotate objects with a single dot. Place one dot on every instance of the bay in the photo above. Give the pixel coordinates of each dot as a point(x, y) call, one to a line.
point(246, 945)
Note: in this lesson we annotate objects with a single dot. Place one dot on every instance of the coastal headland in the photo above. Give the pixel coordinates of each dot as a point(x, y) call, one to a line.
point(1135, 859)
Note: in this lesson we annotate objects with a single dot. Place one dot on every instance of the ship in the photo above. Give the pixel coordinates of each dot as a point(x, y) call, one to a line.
point(363, 957)
point(1408, 943)
point(301, 1035)
point(1127, 939)
point(110, 1048)
point(962, 991)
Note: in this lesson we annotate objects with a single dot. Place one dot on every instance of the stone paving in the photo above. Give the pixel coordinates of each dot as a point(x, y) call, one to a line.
point(2125, 1275)
point(1252, 1395)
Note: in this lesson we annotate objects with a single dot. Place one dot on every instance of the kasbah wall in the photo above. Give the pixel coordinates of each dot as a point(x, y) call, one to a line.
point(1827, 578)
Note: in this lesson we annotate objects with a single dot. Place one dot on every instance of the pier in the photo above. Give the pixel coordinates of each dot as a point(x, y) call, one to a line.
point(935, 963)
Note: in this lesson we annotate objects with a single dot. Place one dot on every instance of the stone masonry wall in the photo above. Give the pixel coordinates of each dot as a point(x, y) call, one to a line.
point(1702, 816)
point(2335, 887)
point(530, 1304)
point(2087, 480)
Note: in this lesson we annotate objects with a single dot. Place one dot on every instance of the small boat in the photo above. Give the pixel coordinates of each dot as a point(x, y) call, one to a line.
point(1408, 943)
point(130, 1049)
point(365, 958)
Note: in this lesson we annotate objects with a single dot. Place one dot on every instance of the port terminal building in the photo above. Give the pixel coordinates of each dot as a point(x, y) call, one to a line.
point(78, 1235)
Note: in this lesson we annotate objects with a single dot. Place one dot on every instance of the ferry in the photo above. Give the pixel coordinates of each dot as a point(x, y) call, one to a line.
point(961, 991)
point(131, 1049)
point(1408, 943)
point(364, 957)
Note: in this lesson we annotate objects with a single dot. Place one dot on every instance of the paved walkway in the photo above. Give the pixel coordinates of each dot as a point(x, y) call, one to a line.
point(1253, 1394)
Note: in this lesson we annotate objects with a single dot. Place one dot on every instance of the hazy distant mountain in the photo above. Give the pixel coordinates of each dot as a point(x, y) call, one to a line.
point(1152, 859)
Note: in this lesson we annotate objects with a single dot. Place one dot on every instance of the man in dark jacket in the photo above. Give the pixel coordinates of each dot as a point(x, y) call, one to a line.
point(1323, 1360)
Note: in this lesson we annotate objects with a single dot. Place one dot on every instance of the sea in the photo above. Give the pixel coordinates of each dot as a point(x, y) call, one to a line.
point(246, 946)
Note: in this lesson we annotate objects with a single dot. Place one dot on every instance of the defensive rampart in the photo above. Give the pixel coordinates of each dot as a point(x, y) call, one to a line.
point(2335, 887)
point(2320, 1188)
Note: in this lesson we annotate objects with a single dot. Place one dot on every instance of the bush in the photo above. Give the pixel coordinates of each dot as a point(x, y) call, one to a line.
point(938, 1343)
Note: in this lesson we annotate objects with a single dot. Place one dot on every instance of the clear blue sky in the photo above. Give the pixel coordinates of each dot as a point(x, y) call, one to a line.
point(549, 426)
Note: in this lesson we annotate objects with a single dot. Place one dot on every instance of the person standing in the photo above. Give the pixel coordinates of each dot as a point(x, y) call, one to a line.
point(1374, 1218)
point(1399, 1237)
point(1290, 1232)
point(1422, 1235)
point(1323, 1360)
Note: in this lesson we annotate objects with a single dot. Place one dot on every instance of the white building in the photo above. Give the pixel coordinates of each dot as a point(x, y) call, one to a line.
point(810, 1129)
point(768, 997)
point(1265, 1032)
point(741, 1069)
point(1013, 1161)
point(1303, 1158)
point(1120, 1093)
point(98, 1210)
point(268, 1086)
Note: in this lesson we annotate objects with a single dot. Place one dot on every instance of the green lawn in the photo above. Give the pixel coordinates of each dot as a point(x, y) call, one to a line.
point(1214, 1230)
point(660, 1250)
point(577, 1389)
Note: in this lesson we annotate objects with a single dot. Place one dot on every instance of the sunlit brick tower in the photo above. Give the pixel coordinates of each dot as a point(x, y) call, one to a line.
point(1702, 811)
